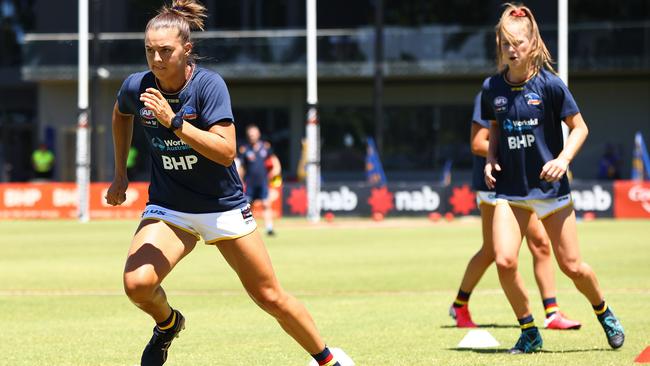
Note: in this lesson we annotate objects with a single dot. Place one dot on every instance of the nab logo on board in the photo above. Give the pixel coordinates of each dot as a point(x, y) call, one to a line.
point(594, 199)
point(425, 199)
point(342, 200)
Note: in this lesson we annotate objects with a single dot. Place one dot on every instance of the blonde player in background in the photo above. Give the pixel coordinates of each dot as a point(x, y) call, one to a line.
point(527, 163)
point(536, 238)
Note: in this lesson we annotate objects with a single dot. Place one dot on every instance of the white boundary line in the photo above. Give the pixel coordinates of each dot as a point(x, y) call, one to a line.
point(90, 292)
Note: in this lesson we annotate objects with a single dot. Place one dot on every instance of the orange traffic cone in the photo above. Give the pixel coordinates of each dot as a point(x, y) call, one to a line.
point(644, 356)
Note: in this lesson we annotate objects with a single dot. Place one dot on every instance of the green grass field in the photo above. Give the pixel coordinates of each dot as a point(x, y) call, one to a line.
point(379, 290)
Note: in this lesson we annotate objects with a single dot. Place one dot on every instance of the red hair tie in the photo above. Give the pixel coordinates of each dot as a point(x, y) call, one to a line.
point(518, 13)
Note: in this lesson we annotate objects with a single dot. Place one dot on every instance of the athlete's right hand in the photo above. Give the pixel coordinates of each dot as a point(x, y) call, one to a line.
point(116, 194)
point(491, 166)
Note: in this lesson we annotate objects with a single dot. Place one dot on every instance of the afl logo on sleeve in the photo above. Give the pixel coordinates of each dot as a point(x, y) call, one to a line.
point(533, 99)
point(148, 118)
point(500, 104)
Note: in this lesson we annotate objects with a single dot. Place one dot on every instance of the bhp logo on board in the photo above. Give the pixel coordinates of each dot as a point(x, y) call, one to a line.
point(18, 197)
point(632, 199)
point(640, 194)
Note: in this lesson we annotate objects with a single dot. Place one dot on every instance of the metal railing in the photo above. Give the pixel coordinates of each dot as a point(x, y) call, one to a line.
point(430, 50)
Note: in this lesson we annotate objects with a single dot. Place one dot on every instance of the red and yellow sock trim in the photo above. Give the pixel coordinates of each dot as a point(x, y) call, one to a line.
point(527, 325)
point(552, 309)
point(460, 303)
point(602, 311)
point(171, 323)
point(328, 361)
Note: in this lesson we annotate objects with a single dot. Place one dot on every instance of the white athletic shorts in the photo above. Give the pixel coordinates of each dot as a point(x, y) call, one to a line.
point(486, 197)
point(212, 227)
point(543, 208)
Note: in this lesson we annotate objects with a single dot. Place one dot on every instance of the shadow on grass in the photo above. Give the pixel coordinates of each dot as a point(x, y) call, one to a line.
point(493, 326)
point(505, 350)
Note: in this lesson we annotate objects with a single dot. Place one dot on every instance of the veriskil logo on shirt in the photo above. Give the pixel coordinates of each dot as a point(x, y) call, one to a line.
point(519, 129)
point(520, 125)
point(533, 99)
point(508, 126)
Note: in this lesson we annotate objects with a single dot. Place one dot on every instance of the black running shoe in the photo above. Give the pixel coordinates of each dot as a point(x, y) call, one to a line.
point(529, 341)
point(613, 329)
point(155, 353)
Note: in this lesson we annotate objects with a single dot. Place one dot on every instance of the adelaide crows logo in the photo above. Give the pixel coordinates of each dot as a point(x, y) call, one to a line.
point(533, 99)
point(189, 113)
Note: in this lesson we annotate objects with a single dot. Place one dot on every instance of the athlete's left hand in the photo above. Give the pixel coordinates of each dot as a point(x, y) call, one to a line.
point(156, 102)
point(554, 169)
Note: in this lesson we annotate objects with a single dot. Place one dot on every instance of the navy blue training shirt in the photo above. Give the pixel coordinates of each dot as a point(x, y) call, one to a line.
point(529, 117)
point(253, 159)
point(181, 178)
point(478, 163)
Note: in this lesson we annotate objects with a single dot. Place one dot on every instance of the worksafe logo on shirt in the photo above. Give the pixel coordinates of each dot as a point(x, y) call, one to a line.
point(533, 99)
point(158, 143)
point(169, 145)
